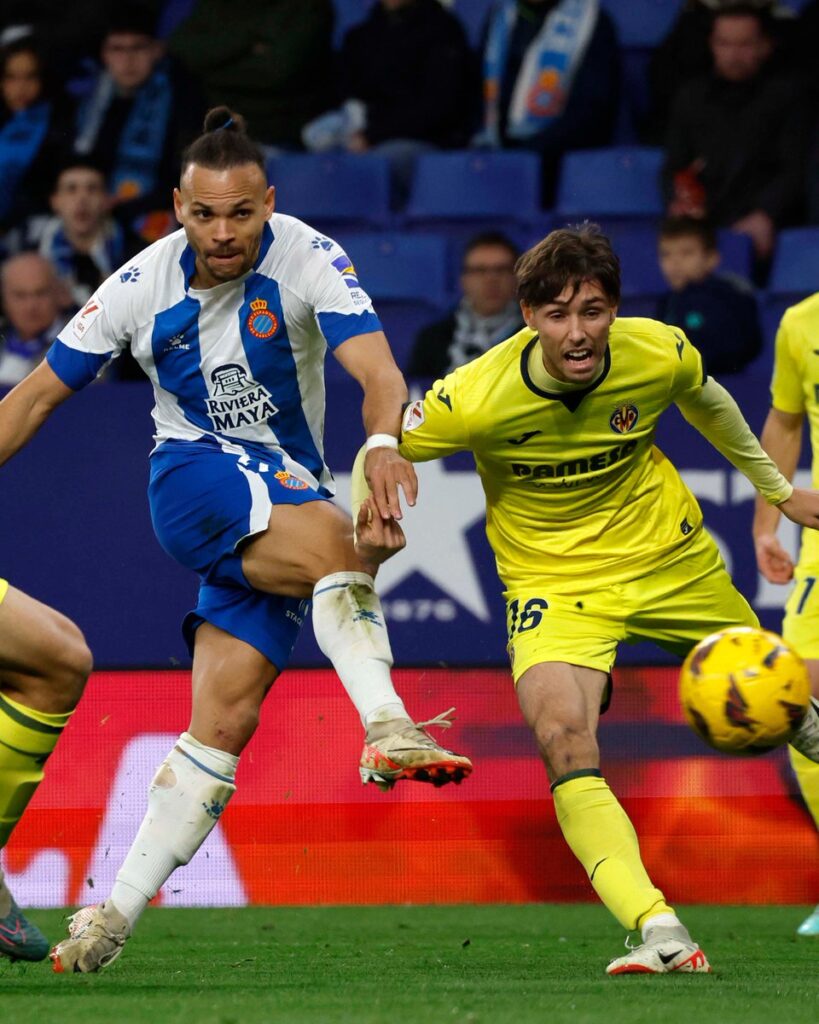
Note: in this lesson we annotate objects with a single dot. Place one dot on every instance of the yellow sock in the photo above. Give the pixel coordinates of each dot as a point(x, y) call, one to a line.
point(604, 841)
point(27, 737)
point(807, 775)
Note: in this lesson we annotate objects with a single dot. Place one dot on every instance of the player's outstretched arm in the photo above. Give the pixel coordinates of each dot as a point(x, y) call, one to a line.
point(802, 507)
point(717, 417)
point(368, 358)
point(782, 439)
point(27, 406)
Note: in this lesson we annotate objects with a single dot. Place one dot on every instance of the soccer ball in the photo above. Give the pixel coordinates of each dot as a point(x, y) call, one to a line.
point(744, 690)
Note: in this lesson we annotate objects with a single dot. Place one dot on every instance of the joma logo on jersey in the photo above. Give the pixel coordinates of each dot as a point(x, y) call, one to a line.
point(238, 401)
point(573, 467)
point(262, 322)
point(624, 418)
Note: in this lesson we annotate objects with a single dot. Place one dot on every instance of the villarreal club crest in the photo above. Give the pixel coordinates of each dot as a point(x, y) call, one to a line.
point(624, 418)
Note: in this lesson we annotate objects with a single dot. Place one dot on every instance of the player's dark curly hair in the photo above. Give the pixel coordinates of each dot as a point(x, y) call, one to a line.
point(568, 256)
point(224, 143)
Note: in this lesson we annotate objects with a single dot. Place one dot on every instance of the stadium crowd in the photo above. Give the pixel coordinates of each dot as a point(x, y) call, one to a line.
point(98, 101)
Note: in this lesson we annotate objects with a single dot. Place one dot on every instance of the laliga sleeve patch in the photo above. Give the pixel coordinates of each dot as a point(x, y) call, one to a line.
point(86, 317)
point(413, 416)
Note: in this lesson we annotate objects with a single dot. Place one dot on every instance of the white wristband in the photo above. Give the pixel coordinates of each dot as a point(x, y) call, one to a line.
point(381, 441)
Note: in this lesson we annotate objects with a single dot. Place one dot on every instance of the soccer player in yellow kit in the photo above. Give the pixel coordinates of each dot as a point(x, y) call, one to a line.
point(44, 665)
point(597, 539)
point(795, 394)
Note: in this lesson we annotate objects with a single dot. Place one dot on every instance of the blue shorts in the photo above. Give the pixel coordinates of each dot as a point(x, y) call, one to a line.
point(205, 501)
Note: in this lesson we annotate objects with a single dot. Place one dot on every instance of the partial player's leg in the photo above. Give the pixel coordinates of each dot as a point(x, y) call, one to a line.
point(279, 536)
point(561, 704)
point(186, 798)
point(800, 627)
point(308, 550)
point(44, 665)
point(694, 597)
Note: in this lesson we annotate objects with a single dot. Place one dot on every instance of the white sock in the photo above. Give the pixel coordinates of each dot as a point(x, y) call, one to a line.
point(350, 630)
point(187, 796)
point(660, 921)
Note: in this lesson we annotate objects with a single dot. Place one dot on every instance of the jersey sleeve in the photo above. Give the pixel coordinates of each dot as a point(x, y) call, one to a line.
point(342, 308)
point(98, 333)
point(435, 425)
point(689, 372)
point(786, 384)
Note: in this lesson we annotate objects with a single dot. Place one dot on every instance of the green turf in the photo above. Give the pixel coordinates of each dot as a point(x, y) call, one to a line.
point(421, 965)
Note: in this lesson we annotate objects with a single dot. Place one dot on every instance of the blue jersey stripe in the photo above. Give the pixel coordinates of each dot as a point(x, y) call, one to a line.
point(339, 327)
point(177, 358)
point(75, 369)
point(270, 359)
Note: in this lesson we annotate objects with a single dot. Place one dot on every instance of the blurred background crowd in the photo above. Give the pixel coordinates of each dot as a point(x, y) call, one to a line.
point(435, 140)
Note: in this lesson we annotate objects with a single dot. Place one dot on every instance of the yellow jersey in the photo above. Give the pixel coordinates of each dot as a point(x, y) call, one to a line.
point(574, 484)
point(795, 389)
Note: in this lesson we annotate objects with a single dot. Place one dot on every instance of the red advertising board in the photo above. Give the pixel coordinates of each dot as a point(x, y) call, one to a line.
point(302, 830)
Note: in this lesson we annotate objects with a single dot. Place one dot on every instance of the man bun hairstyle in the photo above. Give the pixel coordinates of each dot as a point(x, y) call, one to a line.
point(568, 257)
point(224, 143)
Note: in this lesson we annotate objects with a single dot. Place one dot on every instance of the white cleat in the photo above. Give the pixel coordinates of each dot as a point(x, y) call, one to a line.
point(96, 936)
point(665, 951)
point(810, 926)
point(409, 752)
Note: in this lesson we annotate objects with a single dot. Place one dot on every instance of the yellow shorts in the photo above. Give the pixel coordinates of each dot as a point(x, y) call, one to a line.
point(800, 626)
point(675, 606)
point(4, 586)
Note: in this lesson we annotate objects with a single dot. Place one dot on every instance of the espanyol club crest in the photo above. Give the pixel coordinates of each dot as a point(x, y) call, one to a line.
point(292, 483)
point(262, 322)
point(623, 418)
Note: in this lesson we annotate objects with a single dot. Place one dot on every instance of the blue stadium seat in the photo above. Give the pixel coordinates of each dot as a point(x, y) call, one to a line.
point(615, 183)
point(795, 270)
point(642, 23)
point(473, 14)
point(349, 13)
point(736, 252)
point(642, 280)
point(400, 267)
point(475, 185)
point(328, 190)
point(406, 277)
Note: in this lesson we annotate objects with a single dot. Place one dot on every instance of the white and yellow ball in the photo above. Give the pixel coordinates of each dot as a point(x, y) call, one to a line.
point(744, 690)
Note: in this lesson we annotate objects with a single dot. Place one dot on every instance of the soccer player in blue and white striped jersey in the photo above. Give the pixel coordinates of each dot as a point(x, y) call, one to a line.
point(230, 318)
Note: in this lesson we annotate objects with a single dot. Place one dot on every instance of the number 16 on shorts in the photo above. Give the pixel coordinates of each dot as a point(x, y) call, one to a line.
point(521, 616)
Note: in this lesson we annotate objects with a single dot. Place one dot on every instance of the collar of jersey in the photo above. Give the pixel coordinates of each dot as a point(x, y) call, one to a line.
point(571, 399)
point(187, 261)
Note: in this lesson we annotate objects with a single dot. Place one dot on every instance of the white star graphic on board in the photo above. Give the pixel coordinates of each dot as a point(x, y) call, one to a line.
point(449, 503)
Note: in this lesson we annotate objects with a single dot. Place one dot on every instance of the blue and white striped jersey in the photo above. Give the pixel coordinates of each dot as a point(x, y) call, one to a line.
point(240, 362)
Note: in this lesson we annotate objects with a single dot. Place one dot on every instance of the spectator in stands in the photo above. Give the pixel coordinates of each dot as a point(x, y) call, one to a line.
point(717, 311)
point(31, 304)
point(30, 137)
point(551, 79)
point(685, 53)
point(737, 136)
point(407, 76)
point(140, 112)
point(82, 240)
point(273, 61)
point(487, 313)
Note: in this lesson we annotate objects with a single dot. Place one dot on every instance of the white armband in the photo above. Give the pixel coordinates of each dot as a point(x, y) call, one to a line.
point(381, 441)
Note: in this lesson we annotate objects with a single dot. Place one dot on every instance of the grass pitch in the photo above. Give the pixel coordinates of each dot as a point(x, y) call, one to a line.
point(422, 965)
